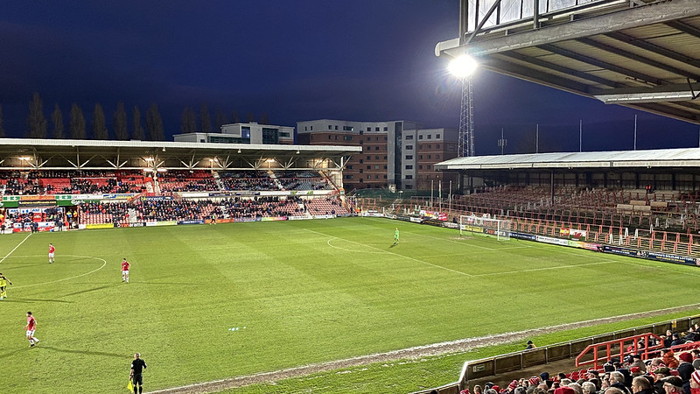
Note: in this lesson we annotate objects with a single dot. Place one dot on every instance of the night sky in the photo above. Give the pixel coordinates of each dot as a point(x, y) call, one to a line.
point(367, 60)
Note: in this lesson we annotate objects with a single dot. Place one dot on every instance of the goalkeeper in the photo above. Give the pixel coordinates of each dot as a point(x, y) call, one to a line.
point(396, 236)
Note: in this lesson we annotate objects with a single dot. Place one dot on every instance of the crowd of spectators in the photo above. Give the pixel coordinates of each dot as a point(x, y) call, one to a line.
point(670, 373)
point(258, 208)
point(66, 182)
point(140, 210)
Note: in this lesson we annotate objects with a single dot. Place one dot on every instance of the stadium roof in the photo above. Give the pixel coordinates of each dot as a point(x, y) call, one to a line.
point(18, 153)
point(688, 157)
point(644, 54)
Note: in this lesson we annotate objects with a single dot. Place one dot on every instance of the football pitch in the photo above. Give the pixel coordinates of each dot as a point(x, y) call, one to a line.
point(209, 302)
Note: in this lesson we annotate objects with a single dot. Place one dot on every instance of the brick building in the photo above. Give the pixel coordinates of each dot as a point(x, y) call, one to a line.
point(394, 154)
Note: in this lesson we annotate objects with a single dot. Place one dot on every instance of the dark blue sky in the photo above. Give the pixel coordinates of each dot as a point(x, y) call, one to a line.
point(368, 60)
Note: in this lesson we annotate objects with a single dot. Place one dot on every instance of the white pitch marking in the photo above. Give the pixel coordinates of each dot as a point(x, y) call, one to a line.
point(508, 337)
point(18, 245)
point(104, 263)
point(396, 254)
point(545, 269)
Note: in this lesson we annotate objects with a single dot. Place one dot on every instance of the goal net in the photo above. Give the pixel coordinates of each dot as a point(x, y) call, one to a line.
point(484, 225)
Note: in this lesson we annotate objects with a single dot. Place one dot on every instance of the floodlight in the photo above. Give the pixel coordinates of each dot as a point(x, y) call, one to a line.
point(462, 66)
point(149, 159)
point(650, 97)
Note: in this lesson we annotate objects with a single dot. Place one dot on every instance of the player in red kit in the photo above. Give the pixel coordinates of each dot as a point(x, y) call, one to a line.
point(125, 270)
point(31, 326)
point(52, 250)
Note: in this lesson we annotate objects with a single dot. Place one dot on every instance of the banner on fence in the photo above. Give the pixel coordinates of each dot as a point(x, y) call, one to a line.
point(99, 225)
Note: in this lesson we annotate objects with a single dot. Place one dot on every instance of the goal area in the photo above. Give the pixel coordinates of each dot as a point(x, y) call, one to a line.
point(485, 225)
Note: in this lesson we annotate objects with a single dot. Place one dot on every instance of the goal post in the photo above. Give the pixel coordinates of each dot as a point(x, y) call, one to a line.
point(499, 227)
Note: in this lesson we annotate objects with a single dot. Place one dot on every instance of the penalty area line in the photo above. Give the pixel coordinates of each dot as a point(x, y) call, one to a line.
point(15, 248)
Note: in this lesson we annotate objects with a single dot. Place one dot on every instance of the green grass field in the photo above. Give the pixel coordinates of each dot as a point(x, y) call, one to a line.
point(210, 302)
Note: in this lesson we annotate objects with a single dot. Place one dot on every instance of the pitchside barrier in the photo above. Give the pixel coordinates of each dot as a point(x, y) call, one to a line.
point(491, 367)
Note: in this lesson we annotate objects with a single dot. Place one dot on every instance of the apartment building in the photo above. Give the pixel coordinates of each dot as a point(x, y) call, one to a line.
point(395, 154)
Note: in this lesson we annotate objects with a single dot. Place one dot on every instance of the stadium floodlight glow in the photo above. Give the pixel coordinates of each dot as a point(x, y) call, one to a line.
point(162, 170)
point(24, 158)
point(270, 160)
point(149, 159)
point(462, 66)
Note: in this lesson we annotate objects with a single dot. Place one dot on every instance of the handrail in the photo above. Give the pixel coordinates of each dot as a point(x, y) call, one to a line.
point(620, 348)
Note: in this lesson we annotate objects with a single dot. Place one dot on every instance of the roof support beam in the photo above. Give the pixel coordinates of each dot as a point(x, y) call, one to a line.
point(684, 27)
point(528, 74)
point(634, 56)
point(562, 69)
point(651, 47)
point(605, 65)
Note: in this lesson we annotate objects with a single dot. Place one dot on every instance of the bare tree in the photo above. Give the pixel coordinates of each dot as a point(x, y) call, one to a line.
point(77, 122)
point(99, 126)
point(189, 121)
point(36, 121)
point(120, 130)
point(2, 128)
point(205, 118)
point(154, 124)
point(57, 120)
point(137, 133)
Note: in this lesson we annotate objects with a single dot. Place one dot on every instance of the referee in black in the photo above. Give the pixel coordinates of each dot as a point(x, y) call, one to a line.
point(137, 367)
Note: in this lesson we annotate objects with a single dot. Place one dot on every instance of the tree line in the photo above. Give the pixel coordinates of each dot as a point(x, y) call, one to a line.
point(38, 126)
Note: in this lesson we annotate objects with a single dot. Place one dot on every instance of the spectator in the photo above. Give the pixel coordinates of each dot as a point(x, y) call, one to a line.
point(641, 385)
point(673, 385)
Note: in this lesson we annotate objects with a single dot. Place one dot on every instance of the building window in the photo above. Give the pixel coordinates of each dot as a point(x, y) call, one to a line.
point(384, 176)
point(409, 137)
point(305, 128)
point(361, 161)
point(430, 146)
point(376, 177)
point(386, 128)
point(430, 136)
point(409, 167)
point(330, 127)
point(377, 138)
point(420, 137)
point(420, 167)
point(348, 138)
point(311, 128)
point(409, 157)
point(409, 147)
point(369, 138)
point(376, 166)
point(438, 146)
point(349, 167)
point(369, 167)
point(284, 134)
point(384, 157)
point(437, 136)
point(348, 176)
point(409, 187)
point(376, 148)
point(409, 177)
point(369, 129)
point(420, 157)
point(336, 127)
point(348, 128)
point(429, 157)
point(329, 137)
point(369, 176)
point(376, 129)
point(369, 157)
point(376, 157)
